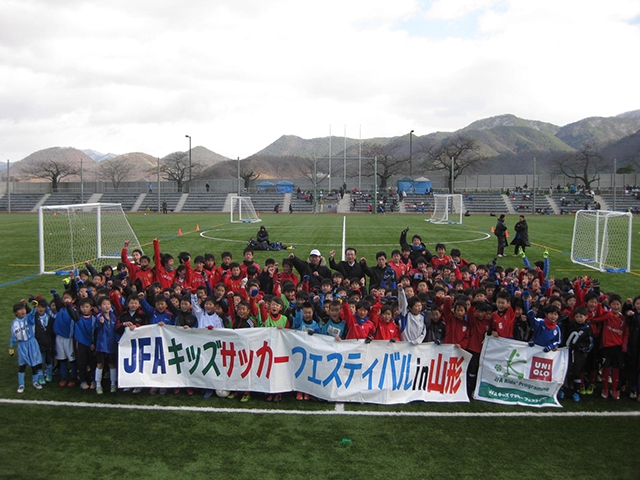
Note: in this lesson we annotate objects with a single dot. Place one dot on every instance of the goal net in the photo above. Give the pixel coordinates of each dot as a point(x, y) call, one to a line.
point(242, 210)
point(602, 240)
point(90, 232)
point(447, 208)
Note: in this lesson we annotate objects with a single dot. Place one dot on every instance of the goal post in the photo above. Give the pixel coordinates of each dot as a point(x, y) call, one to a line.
point(242, 210)
point(70, 235)
point(602, 240)
point(447, 208)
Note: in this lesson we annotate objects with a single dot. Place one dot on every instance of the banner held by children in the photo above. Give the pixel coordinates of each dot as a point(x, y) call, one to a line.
point(273, 360)
point(513, 373)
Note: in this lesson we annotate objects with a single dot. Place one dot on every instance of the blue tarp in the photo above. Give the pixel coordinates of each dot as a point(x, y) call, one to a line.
point(420, 185)
point(284, 186)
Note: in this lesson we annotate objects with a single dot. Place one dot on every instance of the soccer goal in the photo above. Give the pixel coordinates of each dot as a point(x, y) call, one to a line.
point(242, 210)
point(447, 208)
point(89, 232)
point(602, 240)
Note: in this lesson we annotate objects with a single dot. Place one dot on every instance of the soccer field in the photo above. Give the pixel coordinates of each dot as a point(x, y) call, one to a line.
point(80, 437)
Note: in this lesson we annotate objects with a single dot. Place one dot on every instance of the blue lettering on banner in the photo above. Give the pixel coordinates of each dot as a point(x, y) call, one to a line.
point(334, 375)
point(352, 367)
point(369, 373)
point(303, 352)
point(137, 350)
point(159, 358)
point(315, 359)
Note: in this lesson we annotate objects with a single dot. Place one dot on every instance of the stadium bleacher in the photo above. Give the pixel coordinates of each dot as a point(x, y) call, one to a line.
point(20, 202)
point(204, 202)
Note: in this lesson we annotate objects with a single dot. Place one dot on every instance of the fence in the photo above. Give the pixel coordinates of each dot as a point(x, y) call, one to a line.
point(464, 183)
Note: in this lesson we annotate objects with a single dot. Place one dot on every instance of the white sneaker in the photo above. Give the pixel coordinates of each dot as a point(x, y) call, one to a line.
point(21, 389)
point(137, 390)
point(37, 385)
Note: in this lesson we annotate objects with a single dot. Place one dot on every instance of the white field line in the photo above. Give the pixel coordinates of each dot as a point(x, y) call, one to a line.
point(339, 410)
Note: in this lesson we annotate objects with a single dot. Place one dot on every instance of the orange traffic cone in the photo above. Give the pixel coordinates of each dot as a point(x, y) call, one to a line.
point(179, 231)
point(197, 228)
point(506, 233)
point(492, 229)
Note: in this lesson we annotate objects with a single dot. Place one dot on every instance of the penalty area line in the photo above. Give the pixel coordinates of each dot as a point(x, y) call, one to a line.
point(339, 410)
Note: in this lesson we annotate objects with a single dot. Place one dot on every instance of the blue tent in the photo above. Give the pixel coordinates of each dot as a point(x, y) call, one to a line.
point(420, 185)
point(284, 186)
point(264, 186)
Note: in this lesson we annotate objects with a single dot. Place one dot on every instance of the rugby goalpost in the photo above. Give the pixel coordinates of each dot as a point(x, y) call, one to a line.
point(602, 240)
point(447, 208)
point(242, 210)
point(88, 232)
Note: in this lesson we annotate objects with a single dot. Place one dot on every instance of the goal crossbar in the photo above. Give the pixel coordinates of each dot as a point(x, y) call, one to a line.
point(602, 240)
point(87, 232)
point(447, 209)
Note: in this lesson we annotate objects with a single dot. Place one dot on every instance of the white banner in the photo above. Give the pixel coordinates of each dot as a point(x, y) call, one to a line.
point(513, 373)
point(275, 361)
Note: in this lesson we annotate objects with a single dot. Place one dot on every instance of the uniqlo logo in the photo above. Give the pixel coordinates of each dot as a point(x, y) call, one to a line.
point(541, 369)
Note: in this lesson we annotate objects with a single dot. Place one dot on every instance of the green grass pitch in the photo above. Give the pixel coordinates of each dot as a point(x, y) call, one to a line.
point(48, 441)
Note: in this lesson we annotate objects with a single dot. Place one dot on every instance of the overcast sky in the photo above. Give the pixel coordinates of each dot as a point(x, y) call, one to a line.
point(138, 75)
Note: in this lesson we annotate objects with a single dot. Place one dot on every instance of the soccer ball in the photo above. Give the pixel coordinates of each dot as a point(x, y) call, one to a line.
point(223, 393)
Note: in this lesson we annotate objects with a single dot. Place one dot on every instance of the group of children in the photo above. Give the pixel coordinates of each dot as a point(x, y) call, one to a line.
point(413, 296)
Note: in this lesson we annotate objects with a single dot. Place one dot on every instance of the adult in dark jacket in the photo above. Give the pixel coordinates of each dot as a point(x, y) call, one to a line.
point(350, 267)
point(500, 231)
point(380, 275)
point(315, 268)
point(521, 239)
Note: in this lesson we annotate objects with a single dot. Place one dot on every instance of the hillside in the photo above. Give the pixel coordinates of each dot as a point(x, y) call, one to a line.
point(205, 156)
point(598, 130)
point(626, 150)
point(288, 145)
point(63, 155)
point(510, 143)
point(510, 120)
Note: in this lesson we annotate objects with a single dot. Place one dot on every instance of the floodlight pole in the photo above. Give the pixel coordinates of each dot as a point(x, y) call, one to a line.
point(158, 184)
point(360, 161)
point(411, 154)
point(8, 190)
point(189, 137)
point(344, 155)
point(452, 170)
point(533, 212)
point(315, 184)
point(238, 176)
point(615, 160)
point(329, 158)
point(375, 185)
point(81, 180)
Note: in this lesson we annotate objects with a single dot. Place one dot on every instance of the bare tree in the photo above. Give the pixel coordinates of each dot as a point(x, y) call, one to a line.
point(175, 167)
point(585, 165)
point(248, 173)
point(116, 170)
point(461, 150)
point(52, 170)
point(389, 164)
point(314, 171)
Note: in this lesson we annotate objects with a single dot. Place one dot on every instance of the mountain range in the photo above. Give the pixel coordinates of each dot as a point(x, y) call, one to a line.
point(510, 144)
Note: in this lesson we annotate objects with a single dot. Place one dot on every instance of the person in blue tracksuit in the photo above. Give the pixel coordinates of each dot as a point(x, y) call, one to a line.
point(22, 334)
point(84, 332)
point(106, 343)
point(546, 332)
point(63, 328)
